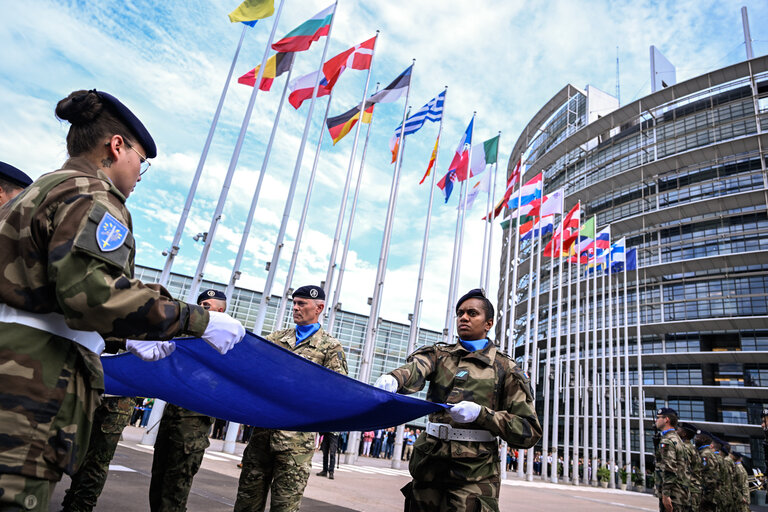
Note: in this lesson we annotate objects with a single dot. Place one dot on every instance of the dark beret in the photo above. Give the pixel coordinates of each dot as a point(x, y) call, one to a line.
point(704, 433)
point(687, 426)
point(309, 292)
point(211, 294)
point(477, 292)
point(13, 175)
point(132, 122)
point(665, 411)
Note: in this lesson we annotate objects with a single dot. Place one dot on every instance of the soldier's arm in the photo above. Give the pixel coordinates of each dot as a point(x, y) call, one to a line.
point(668, 468)
point(516, 422)
point(95, 289)
point(335, 359)
point(417, 370)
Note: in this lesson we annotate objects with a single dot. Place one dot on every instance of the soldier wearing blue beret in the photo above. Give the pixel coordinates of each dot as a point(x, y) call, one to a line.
point(12, 182)
point(66, 283)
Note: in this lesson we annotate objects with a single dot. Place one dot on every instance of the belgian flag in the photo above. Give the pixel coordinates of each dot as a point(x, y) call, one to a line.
point(340, 125)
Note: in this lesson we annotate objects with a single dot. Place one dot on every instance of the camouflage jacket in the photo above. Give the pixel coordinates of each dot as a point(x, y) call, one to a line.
point(486, 377)
point(710, 474)
point(51, 261)
point(694, 468)
point(320, 348)
point(731, 494)
point(672, 468)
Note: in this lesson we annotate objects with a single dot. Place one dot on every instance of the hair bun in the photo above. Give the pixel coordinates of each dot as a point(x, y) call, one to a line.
point(80, 107)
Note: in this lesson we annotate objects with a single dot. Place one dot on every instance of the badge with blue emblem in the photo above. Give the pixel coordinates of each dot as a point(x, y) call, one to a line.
point(110, 234)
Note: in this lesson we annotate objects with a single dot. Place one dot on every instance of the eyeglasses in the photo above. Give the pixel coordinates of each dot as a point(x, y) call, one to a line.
point(142, 159)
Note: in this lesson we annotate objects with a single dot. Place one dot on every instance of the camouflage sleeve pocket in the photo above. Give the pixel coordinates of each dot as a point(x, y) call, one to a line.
point(105, 237)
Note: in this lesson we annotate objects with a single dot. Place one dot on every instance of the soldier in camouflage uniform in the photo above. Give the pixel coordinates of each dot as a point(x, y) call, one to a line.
point(182, 438)
point(671, 464)
point(66, 282)
point(724, 494)
point(277, 460)
point(741, 484)
point(12, 182)
point(455, 463)
point(734, 497)
point(686, 431)
point(710, 471)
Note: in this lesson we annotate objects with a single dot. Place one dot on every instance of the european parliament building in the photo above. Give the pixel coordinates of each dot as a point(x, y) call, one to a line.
point(681, 173)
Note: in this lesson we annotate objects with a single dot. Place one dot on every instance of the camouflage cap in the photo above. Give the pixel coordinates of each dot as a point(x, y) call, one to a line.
point(13, 175)
point(211, 294)
point(131, 122)
point(309, 292)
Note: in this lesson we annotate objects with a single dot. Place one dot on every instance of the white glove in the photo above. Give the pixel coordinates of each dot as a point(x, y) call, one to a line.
point(387, 383)
point(148, 350)
point(465, 412)
point(223, 331)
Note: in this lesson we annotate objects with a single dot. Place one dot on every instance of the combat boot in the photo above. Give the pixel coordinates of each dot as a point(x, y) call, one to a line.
point(330, 476)
point(322, 473)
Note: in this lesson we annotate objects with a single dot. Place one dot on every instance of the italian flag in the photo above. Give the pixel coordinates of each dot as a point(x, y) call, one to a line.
point(302, 37)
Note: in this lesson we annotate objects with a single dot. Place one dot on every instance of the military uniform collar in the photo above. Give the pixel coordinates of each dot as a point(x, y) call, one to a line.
point(82, 164)
point(485, 356)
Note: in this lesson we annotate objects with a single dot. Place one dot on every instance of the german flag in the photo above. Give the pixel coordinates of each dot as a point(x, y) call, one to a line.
point(277, 64)
point(340, 125)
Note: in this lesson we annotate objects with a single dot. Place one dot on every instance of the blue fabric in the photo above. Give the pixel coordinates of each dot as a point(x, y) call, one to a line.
point(305, 331)
point(474, 345)
point(261, 384)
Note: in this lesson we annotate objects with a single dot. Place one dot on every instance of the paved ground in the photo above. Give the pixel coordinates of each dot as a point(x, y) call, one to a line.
point(370, 485)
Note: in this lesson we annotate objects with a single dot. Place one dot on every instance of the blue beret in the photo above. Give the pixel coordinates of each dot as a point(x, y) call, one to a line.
point(665, 411)
point(211, 294)
point(309, 292)
point(130, 121)
point(13, 175)
point(477, 292)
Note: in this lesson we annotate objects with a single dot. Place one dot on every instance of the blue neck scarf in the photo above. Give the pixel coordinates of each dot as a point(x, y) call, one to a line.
point(305, 331)
point(474, 345)
point(668, 430)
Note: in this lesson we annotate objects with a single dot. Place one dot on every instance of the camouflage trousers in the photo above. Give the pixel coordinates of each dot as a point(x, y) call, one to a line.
point(179, 449)
point(285, 473)
point(482, 496)
point(109, 420)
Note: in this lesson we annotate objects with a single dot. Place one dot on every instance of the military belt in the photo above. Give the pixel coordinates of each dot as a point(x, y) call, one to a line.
point(448, 433)
point(53, 323)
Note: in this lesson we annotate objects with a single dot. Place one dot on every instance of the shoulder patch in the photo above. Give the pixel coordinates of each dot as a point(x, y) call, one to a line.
point(110, 233)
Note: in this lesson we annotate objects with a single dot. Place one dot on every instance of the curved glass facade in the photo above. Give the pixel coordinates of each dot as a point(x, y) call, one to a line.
point(682, 175)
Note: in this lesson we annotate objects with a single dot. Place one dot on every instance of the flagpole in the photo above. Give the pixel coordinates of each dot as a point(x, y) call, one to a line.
point(302, 221)
point(490, 220)
point(448, 329)
point(159, 406)
point(371, 330)
point(514, 263)
point(608, 311)
point(484, 263)
point(556, 389)
point(627, 389)
point(640, 395)
point(199, 272)
point(584, 399)
point(174, 250)
point(534, 370)
point(603, 376)
point(457, 277)
point(576, 362)
point(548, 357)
point(595, 385)
point(348, 238)
point(528, 307)
point(273, 263)
point(348, 179)
point(232, 427)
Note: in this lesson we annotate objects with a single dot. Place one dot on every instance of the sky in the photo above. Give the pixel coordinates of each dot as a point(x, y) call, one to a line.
point(168, 62)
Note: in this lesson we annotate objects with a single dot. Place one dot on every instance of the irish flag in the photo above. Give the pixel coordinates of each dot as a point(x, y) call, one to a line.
point(483, 155)
point(302, 37)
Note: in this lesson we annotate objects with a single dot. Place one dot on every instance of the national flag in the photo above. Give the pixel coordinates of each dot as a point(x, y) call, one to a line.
point(357, 57)
point(483, 155)
point(618, 255)
point(482, 185)
point(446, 184)
point(302, 37)
point(460, 162)
point(432, 111)
point(569, 227)
point(528, 192)
point(251, 10)
point(632, 259)
point(277, 64)
point(602, 247)
point(512, 182)
point(586, 242)
point(542, 226)
point(551, 204)
point(431, 161)
point(302, 87)
point(340, 125)
point(395, 90)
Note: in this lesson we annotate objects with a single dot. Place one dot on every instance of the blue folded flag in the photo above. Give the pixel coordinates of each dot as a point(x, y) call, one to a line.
point(261, 384)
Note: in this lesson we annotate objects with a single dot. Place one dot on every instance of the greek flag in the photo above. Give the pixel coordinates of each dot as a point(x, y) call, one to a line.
point(432, 111)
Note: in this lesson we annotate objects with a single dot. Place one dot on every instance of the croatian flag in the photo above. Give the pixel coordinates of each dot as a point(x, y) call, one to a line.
point(460, 162)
